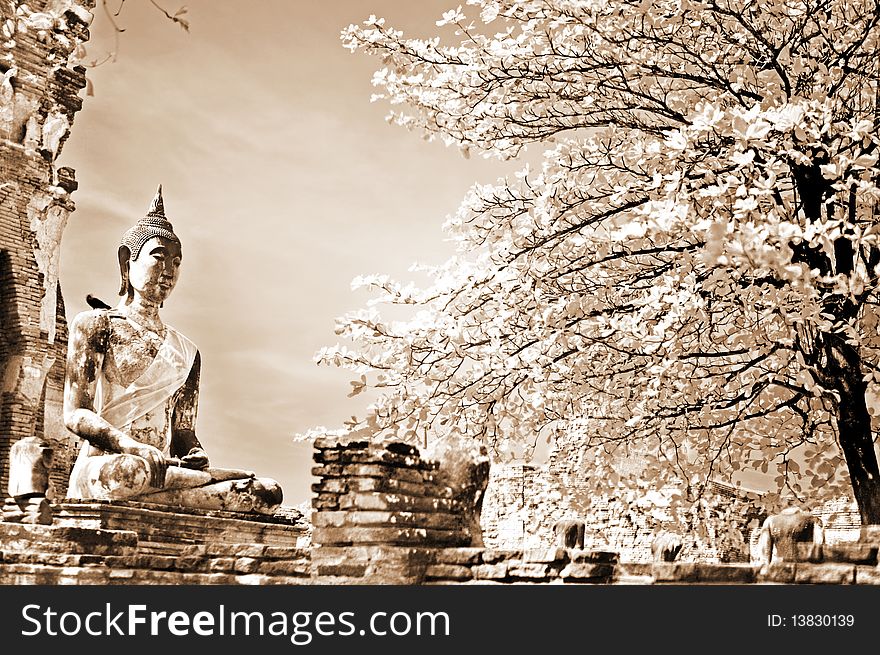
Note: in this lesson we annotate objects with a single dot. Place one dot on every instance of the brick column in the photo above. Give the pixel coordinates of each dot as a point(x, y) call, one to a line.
point(39, 95)
point(379, 514)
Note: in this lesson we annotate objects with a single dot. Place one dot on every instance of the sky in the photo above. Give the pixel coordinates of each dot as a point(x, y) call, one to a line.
point(283, 182)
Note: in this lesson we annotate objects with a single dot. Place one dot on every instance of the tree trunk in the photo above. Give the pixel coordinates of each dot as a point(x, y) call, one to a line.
point(842, 367)
point(856, 440)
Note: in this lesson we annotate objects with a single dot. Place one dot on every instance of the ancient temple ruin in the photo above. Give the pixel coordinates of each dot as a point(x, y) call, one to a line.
point(525, 499)
point(382, 513)
point(39, 96)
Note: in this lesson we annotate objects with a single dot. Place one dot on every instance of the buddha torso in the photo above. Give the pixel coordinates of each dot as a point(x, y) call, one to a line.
point(141, 375)
point(130, 350)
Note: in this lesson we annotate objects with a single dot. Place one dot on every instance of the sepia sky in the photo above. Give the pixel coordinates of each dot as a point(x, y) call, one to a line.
point(283, 182)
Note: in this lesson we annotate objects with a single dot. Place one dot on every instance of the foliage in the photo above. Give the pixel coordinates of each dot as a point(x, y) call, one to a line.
point(691, 271)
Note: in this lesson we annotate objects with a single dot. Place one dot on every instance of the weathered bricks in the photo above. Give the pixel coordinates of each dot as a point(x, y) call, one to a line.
point(355, 570)
point(246, 565)
point(285, 552)
point(415, 536)
point(221, 564)
point(382, 457)
point(464, 556)
point(72, 540)
point(825, 574)
point(371, 564)
point(392, 501)
point(62, 554)
point(529, 570)
point(331, 485)
point(583, 572)
point(704, 572)
point(448, 572)
point(390, 485)
point(325, 502)
point(490, 571)
point(856, 553)
point(546, 555)
point(377, 470)
point(778, 572)
point(867, 575)
point(382, 495)
point(440, 520)
point(491, 556)
point(596, 556)
point(285, 567)
point(869, 534)
point(181, 528)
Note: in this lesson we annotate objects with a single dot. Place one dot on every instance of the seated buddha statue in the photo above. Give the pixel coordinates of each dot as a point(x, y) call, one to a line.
point(131, 392)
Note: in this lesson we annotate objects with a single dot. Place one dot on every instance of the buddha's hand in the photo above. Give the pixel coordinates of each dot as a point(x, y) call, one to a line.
point(155, 460)
point(196, 458)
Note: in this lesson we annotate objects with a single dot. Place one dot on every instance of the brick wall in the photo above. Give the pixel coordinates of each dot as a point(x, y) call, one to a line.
point(524, 501)
point(374, 496)
point(840, 519)
point(379, 513)
point(39, 95)
point(380, 518)
point(100, 543)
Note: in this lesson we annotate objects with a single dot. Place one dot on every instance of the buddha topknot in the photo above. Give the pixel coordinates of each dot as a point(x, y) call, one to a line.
point(154, 224)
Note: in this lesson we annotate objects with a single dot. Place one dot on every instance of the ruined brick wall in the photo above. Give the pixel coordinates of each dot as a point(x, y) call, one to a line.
point(380, 518)
point(39, 87)
point(378, 513)
point(503, 518)
point(524, 501)
point(840, 520)
point(101, 543)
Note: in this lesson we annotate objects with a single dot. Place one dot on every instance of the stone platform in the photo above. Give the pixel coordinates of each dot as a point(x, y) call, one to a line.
point(100, 543)
point(168, 532)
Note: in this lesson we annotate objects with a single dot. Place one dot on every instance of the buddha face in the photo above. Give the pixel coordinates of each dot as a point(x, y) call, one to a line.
point(154, 273)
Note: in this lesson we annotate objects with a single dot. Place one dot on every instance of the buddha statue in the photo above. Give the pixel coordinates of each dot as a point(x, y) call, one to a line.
point(131, 392)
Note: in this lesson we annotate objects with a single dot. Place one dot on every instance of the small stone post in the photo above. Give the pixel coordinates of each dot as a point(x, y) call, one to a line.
point(30, 460)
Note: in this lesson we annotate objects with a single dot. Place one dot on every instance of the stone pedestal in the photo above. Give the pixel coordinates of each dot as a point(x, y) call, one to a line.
point(100, 543)
point(169, 530)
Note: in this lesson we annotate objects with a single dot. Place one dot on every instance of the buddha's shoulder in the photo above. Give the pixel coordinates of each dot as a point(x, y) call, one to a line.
point(94, 322)
point(90, 320)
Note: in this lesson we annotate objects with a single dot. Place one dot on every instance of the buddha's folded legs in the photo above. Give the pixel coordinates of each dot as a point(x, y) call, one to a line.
point(127, 477)
point(113, 477)
point(262, 495)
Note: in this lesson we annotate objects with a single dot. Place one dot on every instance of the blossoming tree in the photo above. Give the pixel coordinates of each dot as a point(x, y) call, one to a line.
point(692, 271)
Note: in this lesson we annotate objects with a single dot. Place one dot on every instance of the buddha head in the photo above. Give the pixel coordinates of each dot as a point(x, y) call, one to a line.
point(149, 256)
